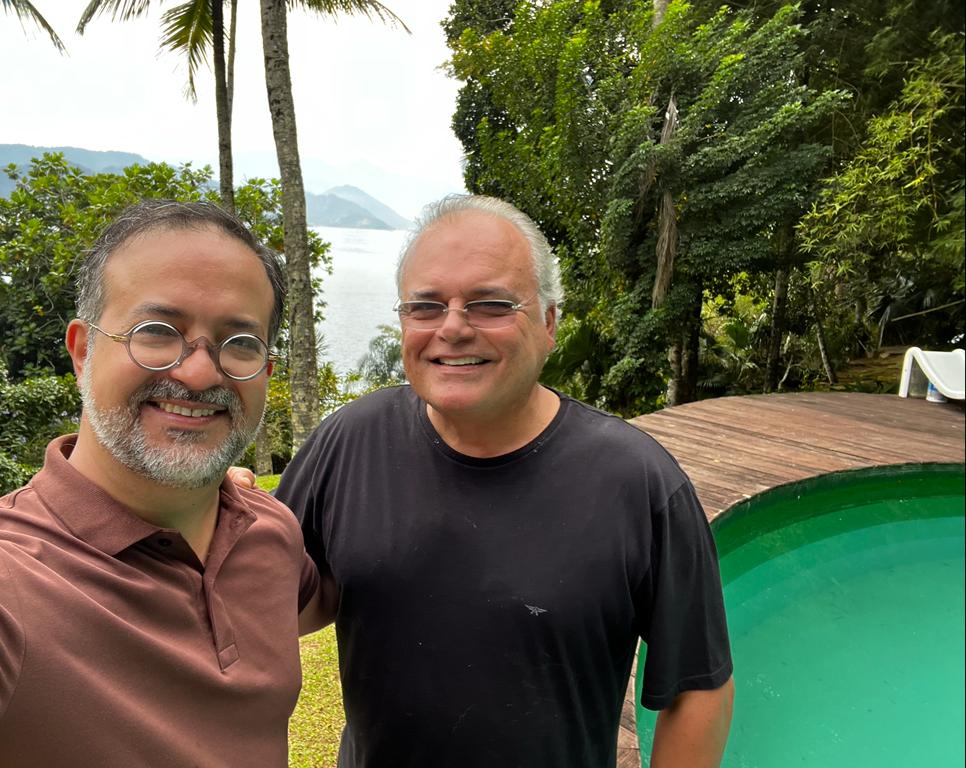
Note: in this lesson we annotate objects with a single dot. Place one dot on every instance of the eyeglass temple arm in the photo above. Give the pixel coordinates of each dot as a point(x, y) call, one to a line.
point(113, 336)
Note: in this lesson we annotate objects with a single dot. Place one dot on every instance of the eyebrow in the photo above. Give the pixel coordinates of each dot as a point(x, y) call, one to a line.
point(152, 310)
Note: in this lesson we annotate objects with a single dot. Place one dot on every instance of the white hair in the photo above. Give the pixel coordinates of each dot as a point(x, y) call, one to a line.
point(545, 270)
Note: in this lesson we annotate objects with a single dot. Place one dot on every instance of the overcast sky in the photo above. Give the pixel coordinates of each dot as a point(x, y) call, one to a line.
point(372, 105)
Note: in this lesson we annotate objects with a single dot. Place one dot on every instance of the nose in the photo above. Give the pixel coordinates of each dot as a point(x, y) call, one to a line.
point(455, 326)
point(197, 369)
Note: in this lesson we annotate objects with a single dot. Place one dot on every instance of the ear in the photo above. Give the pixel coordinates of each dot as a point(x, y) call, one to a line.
point(76, 341)
point(551, 318)
point(269, 367)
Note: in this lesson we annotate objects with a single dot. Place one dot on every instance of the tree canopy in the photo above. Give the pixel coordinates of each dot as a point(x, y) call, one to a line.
point(670, 158)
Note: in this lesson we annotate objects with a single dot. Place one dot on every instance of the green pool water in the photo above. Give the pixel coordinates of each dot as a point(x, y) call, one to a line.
point(845, 598)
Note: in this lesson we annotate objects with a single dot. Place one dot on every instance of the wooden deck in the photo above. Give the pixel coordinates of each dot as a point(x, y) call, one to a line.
point(736, 447)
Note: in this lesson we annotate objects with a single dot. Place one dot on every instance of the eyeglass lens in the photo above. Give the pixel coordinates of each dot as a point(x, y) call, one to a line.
point(159, 346)
point(480, 314)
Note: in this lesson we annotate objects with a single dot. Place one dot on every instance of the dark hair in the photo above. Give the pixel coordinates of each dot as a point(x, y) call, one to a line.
point(171, 214)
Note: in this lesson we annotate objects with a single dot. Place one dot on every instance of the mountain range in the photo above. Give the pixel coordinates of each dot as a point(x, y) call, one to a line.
point(340, 206)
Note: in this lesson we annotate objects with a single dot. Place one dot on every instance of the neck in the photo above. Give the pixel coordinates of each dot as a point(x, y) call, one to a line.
point(485, 435)
point(192, 512)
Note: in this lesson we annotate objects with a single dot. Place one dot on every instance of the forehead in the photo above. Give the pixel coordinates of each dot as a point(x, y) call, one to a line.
point(202, 268)
point(469, 247)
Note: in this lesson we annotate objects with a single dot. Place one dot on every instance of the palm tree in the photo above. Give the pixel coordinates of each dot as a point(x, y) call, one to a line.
point(303, 362)
point(26, 12)
point(382, 364)
point(191, 29)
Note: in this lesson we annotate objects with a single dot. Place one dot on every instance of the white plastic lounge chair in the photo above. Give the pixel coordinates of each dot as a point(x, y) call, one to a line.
point(946, 371)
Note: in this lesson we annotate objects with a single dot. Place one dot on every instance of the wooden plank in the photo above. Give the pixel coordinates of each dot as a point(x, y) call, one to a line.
point(735, 447)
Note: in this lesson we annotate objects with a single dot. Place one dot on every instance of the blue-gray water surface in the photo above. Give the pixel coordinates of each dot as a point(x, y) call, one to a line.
point(360, 292)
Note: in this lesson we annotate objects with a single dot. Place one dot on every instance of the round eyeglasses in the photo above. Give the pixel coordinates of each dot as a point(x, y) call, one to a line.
point(483, 314)
point(157, 346)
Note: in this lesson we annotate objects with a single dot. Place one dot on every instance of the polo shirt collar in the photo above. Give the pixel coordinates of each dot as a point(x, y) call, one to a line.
point(93, 515)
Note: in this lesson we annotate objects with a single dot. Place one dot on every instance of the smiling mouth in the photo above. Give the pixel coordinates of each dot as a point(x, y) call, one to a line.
point(179, 410)
point(460, 361)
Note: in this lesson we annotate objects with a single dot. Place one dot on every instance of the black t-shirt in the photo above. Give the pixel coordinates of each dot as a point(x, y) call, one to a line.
point(490, 608)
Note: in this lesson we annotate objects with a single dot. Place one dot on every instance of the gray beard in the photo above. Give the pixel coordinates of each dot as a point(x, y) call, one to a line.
point(183, 464)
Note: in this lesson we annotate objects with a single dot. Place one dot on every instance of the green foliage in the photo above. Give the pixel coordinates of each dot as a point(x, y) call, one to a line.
point(562, 112)
point(887, 234)
point(333, 392)
point(731, 352)
point(382, 365)
point(32, 413)
point(577, 93)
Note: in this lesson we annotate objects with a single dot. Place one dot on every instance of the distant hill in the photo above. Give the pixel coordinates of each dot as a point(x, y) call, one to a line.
point(88, 160)
point(332, 211)
point(369, 203)
point(343, 206)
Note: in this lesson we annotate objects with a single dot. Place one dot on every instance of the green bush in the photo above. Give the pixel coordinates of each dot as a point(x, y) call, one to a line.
point(33, 412)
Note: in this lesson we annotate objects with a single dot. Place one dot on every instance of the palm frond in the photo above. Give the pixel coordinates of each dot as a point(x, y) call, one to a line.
point(26, 12)
point(368, 8)
point(119, 9)
point(187, 29)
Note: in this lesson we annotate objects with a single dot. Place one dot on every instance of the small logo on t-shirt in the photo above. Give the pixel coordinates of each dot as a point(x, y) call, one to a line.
point(535, 610)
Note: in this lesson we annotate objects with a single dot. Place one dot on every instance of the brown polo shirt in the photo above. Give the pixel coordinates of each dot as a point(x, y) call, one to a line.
point(118, 647)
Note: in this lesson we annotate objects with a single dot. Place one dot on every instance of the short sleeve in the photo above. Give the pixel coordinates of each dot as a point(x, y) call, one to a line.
point(298, 489)
point(309, 580)
point(685, 631)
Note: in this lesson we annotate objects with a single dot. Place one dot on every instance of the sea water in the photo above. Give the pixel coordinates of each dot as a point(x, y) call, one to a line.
point(359, 294)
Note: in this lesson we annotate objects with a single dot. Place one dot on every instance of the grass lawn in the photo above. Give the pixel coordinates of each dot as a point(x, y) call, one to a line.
point(316, 724)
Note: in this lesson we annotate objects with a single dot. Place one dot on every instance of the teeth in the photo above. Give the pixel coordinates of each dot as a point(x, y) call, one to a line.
point(463, 361)
point(195, 412)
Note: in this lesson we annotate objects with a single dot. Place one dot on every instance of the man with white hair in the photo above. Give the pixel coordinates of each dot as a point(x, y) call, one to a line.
point(499, 547)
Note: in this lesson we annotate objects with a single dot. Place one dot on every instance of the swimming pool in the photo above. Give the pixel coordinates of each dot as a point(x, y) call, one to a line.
point(845, 597)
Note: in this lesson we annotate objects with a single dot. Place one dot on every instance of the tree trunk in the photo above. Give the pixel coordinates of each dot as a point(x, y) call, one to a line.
point(263, 452)
point(303, 362)
point(667, 240)
point(688, 392)
point(230, 79)
point(683, 357)
point(226, 180)
point(667, 244)
point(667, 224)
point(778, 312)
point(675, 385)
point(820, 338)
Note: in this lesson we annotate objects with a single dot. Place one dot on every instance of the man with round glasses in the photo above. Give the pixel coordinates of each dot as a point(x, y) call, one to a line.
point(149, 608)
point(498, 547)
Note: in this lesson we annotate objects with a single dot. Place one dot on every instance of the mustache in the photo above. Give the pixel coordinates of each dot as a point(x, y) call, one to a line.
point(168, 388)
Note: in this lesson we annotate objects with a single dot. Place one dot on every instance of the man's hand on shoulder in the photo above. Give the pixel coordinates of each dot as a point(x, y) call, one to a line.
point(243, 477)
